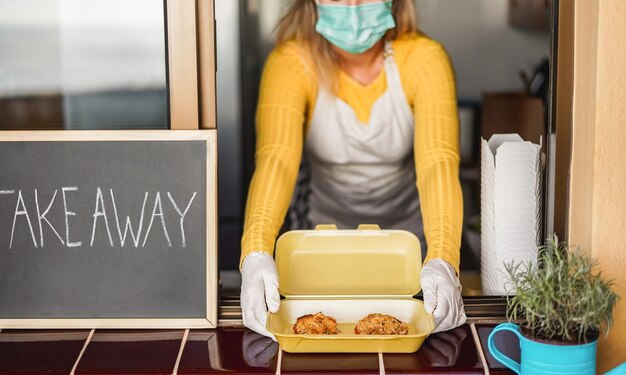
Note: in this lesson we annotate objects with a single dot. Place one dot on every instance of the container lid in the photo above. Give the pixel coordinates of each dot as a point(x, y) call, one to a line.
point(367, 261)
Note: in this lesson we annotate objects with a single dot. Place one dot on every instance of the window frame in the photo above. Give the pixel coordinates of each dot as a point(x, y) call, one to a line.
point(190, 61)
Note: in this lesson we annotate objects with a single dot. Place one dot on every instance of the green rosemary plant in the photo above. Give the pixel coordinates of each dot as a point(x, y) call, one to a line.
point(562, 297)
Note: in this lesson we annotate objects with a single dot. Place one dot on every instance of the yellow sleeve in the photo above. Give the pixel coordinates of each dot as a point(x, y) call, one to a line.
point(285, 92)
point(430, 88)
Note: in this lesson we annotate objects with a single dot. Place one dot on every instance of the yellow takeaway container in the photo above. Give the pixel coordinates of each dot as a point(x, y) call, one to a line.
point(348, 274)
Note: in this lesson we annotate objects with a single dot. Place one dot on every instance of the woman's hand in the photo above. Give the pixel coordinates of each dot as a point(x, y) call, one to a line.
point(442, 294)
point(259, 291)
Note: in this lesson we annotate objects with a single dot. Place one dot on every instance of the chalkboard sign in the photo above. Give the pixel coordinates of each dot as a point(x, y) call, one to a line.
point(108, 229)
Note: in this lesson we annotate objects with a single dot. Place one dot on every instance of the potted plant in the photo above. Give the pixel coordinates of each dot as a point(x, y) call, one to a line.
point(563, 304)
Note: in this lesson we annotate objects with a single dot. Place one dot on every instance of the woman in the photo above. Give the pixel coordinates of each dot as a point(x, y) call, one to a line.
point(371, 102)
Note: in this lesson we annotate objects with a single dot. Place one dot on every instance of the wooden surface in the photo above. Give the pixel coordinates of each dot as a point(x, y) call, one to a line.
point(597, 205)
point(182, 64)
point(105, 135)
point(206, 49)
point(563, 108)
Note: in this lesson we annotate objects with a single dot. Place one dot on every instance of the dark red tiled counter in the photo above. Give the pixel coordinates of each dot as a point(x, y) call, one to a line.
point(131, 352)
point(40, 352)
point(228, 350)
point(348, 363)
point(451, 352)
point(506, 342)
point(234, 350)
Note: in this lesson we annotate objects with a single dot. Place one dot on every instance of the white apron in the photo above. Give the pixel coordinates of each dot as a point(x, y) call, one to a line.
point(362, 173)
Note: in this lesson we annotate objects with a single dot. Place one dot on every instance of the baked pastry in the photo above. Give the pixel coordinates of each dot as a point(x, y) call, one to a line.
point(316, 324)
point(381, 324)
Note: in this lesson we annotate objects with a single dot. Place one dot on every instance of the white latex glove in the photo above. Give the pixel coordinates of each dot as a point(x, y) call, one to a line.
point(259, 291)
point(442, 294)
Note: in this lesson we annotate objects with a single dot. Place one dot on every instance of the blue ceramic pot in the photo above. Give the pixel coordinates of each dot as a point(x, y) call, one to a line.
point(539, 358)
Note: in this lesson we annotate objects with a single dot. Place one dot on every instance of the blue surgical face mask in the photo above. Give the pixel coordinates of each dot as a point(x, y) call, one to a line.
point(354, 28)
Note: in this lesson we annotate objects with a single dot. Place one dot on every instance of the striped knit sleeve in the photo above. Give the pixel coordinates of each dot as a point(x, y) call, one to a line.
point(284, 93)
point(436, 148)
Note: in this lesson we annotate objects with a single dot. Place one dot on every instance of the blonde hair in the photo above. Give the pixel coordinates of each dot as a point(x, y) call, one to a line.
point(298, 24)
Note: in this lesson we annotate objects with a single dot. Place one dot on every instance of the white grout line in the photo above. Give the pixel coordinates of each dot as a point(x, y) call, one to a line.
point(180, 351)
point(82, 351)
point(381, 364)
point(479, 348)
point(279, 360)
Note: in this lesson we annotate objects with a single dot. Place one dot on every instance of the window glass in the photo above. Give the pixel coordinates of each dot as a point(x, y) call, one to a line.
point(82, 64)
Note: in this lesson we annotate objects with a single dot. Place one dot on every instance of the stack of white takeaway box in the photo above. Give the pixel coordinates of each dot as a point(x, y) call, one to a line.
point(511, 196)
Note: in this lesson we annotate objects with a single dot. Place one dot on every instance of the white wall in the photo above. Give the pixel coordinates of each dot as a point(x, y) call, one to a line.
point(486, 51)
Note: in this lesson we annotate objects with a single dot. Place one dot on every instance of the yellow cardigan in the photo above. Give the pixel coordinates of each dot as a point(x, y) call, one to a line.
point(287, 98)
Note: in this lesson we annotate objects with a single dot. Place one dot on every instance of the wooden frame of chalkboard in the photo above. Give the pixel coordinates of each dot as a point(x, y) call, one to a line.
point(208, 318)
